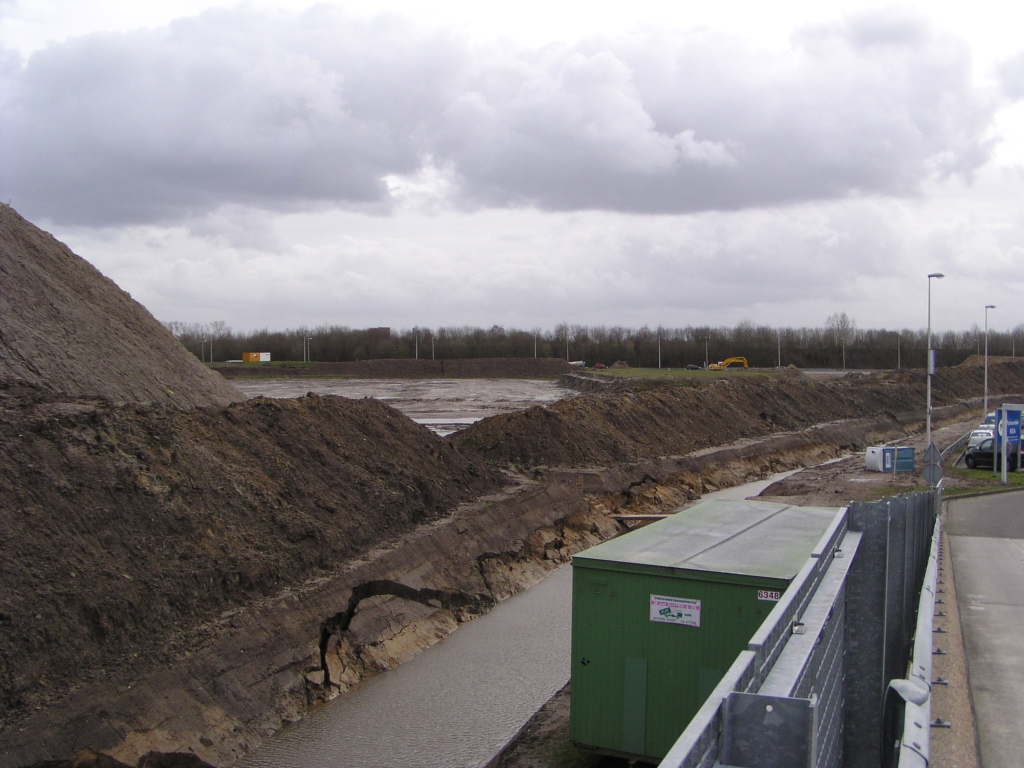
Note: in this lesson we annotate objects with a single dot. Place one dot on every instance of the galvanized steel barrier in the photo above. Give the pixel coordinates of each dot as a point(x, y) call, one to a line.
point(812, 687)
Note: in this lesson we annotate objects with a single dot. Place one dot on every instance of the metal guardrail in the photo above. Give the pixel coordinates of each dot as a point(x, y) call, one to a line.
point(810, 690)
point(956, 445)
point(915, 690)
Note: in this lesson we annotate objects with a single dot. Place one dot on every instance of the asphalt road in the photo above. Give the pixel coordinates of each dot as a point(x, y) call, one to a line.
point(987, 545)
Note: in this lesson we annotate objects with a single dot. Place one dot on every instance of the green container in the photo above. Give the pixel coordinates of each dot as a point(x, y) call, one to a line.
point(660, 613)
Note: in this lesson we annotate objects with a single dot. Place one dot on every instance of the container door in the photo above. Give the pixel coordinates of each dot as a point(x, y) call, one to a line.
point(598, 677)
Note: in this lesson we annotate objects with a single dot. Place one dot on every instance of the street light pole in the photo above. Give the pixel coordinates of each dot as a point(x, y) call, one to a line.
point(930, 369)
point(708, 336)
point(779, 338)
point(987, 308)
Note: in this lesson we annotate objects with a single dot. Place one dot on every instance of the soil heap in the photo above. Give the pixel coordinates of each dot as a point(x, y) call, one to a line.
point(66, 328)
point(141, 495)
point(648, 419)
point(125, 529)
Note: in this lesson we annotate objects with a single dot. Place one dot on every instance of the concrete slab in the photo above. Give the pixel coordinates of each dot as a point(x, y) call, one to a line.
point(1000, 516)
point(456, 705)
point(989, 572)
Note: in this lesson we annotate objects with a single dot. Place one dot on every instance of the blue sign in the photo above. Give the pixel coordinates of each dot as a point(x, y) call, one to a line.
point(1012, 426)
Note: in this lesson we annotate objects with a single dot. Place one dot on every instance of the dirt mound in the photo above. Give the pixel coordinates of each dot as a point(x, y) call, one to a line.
point(664, 419)
point(976, 360)
point(67, 328)
point(472, 368)
point(125, 528)
point(90, 758)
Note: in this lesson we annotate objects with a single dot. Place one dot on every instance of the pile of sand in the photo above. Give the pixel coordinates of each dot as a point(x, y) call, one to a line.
point(67, 329)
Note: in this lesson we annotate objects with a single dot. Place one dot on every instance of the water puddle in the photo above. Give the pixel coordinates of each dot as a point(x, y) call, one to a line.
point(443, 405)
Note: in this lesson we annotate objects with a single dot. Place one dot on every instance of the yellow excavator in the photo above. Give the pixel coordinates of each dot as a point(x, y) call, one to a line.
point(729, 362)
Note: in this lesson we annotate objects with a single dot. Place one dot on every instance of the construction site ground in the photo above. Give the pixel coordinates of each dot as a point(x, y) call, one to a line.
point(544, 741)
point(183, 570)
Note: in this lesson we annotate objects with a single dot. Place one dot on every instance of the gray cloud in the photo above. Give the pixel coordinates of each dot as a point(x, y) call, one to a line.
point(1011, 76)
point(286, 110)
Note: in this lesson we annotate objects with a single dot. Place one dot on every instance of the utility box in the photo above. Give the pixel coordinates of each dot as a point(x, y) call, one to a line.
point(660, 614)
point(873, 459)
point(903, 457)
point(883, 458)
point(889, 459)
point(255, 357)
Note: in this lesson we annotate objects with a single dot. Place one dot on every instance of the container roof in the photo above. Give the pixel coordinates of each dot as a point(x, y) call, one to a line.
point(747, 538)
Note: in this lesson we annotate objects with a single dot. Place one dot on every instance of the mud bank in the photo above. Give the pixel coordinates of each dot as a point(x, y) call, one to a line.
point(649, 418)
point(267, 663)
point(475, 368)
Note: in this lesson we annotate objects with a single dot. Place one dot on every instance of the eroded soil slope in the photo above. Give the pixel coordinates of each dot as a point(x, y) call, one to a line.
point(124, 528)
point(66, 328)
point(648, 420)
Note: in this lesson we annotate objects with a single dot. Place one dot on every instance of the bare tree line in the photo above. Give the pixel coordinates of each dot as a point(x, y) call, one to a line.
point(837, 344)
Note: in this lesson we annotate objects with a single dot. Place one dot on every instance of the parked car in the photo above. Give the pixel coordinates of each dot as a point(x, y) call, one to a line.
point(600, 367)
point(982, 455)
point(978, 435)
point(990, 420)
point(692, 367)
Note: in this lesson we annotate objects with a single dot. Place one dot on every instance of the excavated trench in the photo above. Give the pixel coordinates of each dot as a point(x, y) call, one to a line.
point(270, 663)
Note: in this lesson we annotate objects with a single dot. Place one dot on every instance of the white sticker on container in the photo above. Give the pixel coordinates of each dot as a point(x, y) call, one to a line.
point(675, 610)
point(769, 594)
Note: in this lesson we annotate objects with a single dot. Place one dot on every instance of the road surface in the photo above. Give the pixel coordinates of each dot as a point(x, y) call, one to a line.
point(987, 543)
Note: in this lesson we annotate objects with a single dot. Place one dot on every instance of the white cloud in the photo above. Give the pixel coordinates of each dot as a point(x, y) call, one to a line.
point(524, 268)
point(286, 110)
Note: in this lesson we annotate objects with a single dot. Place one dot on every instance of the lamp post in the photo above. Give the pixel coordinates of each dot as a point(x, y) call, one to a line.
point(416, 346)
point(706, 337)
point(930, 369)
point(987, 308)
point(779, 339)
point(659, 349)
point(202, 350)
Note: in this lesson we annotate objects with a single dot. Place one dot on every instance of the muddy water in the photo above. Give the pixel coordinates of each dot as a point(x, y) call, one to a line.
point(443, 405)
point(458, 703)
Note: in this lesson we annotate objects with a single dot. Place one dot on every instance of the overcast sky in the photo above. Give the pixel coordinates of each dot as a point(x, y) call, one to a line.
point(280, 164)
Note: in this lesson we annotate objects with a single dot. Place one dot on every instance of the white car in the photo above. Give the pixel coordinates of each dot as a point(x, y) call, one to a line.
point(978, 435)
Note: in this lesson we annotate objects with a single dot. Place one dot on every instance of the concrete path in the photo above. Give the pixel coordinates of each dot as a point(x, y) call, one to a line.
point(987, 545)
point(455, 705)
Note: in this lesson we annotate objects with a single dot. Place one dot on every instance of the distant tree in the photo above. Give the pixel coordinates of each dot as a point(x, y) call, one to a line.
point(841, 327)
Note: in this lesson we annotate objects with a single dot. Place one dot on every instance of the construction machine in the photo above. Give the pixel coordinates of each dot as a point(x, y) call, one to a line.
point(729, 362)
